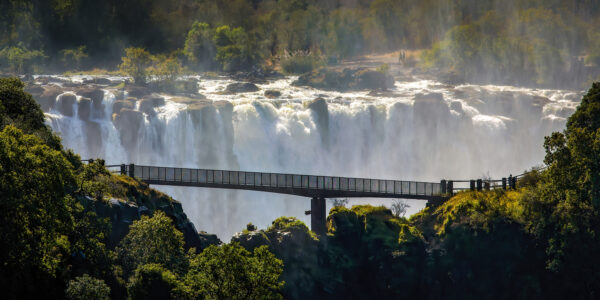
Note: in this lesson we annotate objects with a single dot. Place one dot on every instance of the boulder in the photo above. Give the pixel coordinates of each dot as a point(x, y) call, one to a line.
point(129, 124)
point(321, 118)
point(95, 94)
point(83, 108)
point(123, 104)
point(47, 99)
point(35, 90)
point(348, 79)
point(149, 103)
point(241, 87)
point(272, 94)
point(138, 91)
point(98, 80)
point(372, 80)
point(65, 104)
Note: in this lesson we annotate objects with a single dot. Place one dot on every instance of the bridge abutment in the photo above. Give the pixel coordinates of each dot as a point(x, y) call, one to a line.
point(317, 215)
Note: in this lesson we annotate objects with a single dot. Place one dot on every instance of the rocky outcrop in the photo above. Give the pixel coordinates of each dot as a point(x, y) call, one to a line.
point(291, 241)
point(321, 117)
point(129, 123)
point(97, 97)
point(137, 91)
point(348, 79)
point(272, 94)
point(241, 87)
point(149, 103)
point(65, 103)
point(84, 106)
point(128, 103)
point(141, 200)
point(47, 99)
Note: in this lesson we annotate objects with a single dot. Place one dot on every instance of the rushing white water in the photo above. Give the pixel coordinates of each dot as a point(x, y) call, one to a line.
point(474, 131)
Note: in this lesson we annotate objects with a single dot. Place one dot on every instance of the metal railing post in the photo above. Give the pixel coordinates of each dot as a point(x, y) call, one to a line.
point(443, 186)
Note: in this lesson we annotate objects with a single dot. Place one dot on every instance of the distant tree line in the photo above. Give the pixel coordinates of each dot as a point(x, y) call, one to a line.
point(539, 39)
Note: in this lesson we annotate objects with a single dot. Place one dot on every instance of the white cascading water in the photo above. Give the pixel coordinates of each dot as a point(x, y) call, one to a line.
point(480, 131)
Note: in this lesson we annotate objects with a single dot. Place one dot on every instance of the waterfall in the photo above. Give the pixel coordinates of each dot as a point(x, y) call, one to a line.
point(420, 130)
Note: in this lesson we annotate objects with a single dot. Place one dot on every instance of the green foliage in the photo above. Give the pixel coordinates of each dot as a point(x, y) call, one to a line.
point(290, 224)
point(19, 60)
point(87, 287)
point(18, 108)
point(165, 71)
point(153, 281)
point(93, 179)
point(200, 48)
point(496, 47)
point(135, 64)
point(152, 241)
point(300, 63)
point(231, 272)
point(35, 211)
point(73, 58)
point(236, 49)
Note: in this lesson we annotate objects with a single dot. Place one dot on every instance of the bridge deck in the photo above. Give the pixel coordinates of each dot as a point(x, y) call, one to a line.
point(292, 184)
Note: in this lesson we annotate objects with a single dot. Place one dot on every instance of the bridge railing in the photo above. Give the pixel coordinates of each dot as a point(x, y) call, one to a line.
point(281, 180)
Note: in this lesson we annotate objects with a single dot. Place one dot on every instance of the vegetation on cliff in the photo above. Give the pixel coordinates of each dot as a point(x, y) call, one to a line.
point(72, 229)
point(538, 241)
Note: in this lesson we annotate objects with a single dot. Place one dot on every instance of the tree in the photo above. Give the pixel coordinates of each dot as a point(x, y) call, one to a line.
point(18, 108)
point(153, 281)
point(231, 272)
point(569, 218)
point(20, 60)
point(87, 287)
point(74, 57)
point(135, 62)
point(35, 213)
point(399, 208)
point(152, 240)
point(200, 48)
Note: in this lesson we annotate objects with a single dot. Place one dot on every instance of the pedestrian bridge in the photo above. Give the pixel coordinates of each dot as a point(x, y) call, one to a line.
point(316, 187)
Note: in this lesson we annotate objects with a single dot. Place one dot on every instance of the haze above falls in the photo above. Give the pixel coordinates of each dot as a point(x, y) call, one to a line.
point(420, 130)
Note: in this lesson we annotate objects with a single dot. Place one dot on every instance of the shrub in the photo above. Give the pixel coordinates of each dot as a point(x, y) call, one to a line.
point(135, 64)
point(87, 288)
point(153, 281)
point(152, 241)
point(74, 57)
point(300, 62)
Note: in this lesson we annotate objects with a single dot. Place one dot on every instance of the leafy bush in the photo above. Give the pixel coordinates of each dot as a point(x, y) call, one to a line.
point(231, 272)
point(200, 48)
point(87, 287)
point(74, 58)
point(152, 241)
point(135, 64)
point(153, 281)
point(300, 62)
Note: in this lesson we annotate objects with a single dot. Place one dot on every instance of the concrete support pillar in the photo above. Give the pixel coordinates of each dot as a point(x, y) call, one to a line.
point(479, 184)
point(131, 170)
point(317, 215)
